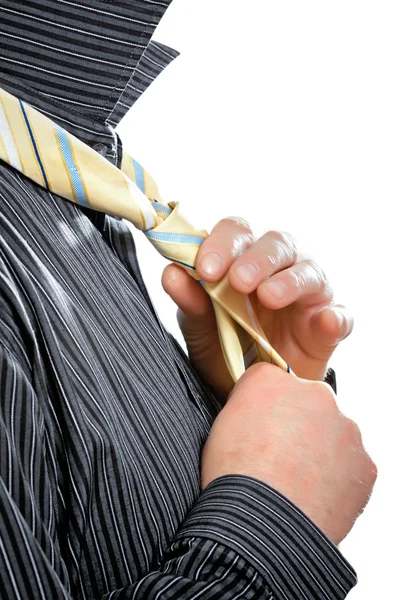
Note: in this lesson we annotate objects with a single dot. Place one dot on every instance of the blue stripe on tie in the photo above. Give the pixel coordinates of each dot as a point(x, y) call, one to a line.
point(161, 207)
point(139, 175)
point(203, 283)
point(76, 178)
point(34, 144)
point(288, 369)
point(178, 262)
point(175, 238)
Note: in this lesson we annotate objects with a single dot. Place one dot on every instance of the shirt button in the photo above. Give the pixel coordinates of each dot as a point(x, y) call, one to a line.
point(100, 148)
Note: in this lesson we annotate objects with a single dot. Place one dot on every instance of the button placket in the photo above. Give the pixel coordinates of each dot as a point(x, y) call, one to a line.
point(100, 149)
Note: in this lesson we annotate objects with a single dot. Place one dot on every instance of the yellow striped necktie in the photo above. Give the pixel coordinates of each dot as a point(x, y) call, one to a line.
point(56, 160)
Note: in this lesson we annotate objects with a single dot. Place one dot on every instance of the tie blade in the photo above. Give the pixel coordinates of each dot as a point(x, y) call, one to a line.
point(63, 164)
point(230, 342)
point(242, 325)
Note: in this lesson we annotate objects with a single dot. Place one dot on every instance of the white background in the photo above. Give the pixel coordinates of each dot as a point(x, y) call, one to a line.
point(288, 114)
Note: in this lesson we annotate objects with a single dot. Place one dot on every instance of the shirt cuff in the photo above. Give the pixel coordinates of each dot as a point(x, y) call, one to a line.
point(295, 558)
point(330, 378)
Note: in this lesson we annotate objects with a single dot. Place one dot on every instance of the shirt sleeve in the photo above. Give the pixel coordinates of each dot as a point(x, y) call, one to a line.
point(330, 379)
point(241, 539)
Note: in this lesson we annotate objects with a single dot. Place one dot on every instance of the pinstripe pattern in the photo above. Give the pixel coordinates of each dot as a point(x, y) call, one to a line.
point(102, 419)
point(92, 181)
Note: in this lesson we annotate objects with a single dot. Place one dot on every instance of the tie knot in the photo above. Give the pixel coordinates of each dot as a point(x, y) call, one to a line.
point(175, 237)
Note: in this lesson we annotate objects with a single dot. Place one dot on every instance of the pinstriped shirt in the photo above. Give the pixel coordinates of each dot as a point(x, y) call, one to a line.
point(102, 418)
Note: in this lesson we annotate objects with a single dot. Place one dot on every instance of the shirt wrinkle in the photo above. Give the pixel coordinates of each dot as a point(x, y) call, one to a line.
point(20, 57)
point(102, 416)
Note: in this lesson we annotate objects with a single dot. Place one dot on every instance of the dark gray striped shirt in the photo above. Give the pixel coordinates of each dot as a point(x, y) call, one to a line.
point(102, 418)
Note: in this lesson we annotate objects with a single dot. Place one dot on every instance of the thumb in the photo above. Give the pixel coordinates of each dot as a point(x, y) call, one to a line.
point(196, 318)
point(187, 293)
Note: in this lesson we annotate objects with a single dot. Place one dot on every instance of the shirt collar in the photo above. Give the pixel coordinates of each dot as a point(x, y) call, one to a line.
point(83, 63)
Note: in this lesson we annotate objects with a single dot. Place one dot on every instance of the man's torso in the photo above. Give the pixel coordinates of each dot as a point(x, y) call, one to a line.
point(124, 416)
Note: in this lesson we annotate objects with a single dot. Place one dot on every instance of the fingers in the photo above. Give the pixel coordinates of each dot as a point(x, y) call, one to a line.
point(304, 283)
point(187, 293)
point(229, 238)
point(271, 265)
point(270, 254)
point(333, 323)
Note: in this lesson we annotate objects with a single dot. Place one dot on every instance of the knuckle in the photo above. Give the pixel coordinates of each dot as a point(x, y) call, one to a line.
point(241, 242)
point(298, 277)
point(373, 469)
point(330, 403)
point(284, 238)
point(321, 275)
point(264, 369)
point(238, 222)
point(370, 469)
point(353, 430)
point(263, 374)
point(325, 397)
point(277, 235)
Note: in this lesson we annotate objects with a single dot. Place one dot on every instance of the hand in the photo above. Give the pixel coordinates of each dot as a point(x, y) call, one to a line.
point(289, 433)
point(303, 325)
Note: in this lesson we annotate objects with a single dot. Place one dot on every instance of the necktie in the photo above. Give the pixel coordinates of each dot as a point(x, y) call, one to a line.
point(56, 160)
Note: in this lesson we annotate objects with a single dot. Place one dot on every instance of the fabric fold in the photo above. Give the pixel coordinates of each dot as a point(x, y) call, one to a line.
point(154, 60)
point(92, 57)
point(296, 559)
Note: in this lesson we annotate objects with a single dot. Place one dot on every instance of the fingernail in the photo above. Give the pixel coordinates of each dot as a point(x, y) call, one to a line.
point(276, 288)
point(247, 273)
point(211, 263)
